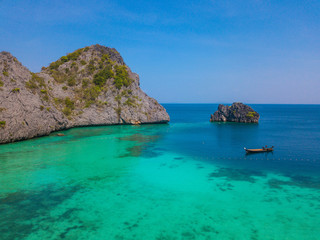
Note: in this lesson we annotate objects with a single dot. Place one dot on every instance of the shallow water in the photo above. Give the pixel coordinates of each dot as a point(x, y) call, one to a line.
point(189, 179)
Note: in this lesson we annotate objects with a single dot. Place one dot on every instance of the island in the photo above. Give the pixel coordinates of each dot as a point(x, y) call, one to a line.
point(90, 86)
point(237, 112)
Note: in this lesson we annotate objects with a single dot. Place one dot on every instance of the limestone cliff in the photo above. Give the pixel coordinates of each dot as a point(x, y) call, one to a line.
point(91, 86)
point(237, 112)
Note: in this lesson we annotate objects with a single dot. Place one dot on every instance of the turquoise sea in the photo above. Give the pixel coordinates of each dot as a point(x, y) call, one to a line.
point(189, 179)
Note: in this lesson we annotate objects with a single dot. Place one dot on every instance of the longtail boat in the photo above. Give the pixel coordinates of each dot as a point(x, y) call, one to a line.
point(259, 150)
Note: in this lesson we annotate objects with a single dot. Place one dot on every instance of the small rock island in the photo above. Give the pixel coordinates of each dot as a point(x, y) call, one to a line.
point(237, 112)
point(90, 86)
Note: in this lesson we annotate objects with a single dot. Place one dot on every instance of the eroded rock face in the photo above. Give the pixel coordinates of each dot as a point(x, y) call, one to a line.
point(237, 112)
point(91, 86)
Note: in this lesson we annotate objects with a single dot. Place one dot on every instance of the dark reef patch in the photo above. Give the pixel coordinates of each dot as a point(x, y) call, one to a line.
point(165, 236)
point(140, 138)
point(144, 150)
point(65, 232)
point(134, 151)
point(209, 229)
point(150, 152)
point(19, 208)
point(296, 181)
point(232, 174)
point(145, 146)
point(188, 235)
point(225, 187)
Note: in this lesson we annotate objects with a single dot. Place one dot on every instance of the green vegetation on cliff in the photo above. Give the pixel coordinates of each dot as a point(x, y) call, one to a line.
point(122, 77)
point(251, 114)
point(88, 75)
point(35, 82)
point(2, 124)
point(70, 57)
point(103, 75)
point(15, 90)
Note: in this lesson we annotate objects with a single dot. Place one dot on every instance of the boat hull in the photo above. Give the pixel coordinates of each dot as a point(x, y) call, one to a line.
point(258, 150)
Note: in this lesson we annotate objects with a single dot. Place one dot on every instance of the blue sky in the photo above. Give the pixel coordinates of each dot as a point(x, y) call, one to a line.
point(189, 51)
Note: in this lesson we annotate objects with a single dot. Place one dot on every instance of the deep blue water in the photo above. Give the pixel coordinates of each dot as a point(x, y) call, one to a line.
point(294, 131)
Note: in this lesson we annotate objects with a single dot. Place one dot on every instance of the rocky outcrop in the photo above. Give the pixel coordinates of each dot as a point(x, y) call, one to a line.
point(91, 86)
point(237, 112)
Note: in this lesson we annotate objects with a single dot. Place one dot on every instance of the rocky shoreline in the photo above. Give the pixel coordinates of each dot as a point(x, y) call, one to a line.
point(91, 86)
